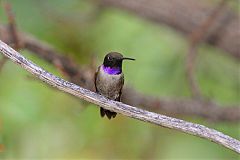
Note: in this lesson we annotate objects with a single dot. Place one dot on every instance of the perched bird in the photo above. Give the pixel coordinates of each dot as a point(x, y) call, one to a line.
point(109, 80)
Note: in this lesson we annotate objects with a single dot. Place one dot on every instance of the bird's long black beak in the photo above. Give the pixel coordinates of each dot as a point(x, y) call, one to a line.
point(125, 58)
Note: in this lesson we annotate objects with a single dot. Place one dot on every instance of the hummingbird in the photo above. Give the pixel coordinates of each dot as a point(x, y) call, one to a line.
point(109, 80)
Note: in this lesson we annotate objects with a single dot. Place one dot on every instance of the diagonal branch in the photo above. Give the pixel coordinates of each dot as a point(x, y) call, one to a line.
point(195, 38)
point(12, 27)
point(127, 110)
point(12, 30)
point(83, 76)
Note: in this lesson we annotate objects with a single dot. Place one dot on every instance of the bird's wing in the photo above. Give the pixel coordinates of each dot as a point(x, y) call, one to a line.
point(102, 110)
point(120, 93)
point(95, 78)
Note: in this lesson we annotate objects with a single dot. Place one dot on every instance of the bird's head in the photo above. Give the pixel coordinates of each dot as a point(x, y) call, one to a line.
point(114, 60)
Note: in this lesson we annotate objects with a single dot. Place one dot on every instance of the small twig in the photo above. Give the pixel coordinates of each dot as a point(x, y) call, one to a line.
point(127, 110)
point(12, 30)
point(12, 27)
point(190, 68)
point(195, 38)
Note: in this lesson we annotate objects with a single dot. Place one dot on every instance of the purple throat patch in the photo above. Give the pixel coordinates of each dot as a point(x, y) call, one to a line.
point(113, 71)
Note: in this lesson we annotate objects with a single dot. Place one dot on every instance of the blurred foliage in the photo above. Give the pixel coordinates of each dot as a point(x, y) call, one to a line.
point(41, 122)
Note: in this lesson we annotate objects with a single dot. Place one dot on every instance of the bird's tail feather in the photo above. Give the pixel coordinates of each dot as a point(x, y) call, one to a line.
point(108, 113)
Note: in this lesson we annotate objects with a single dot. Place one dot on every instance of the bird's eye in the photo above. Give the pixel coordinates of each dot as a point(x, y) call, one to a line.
point(109, 58)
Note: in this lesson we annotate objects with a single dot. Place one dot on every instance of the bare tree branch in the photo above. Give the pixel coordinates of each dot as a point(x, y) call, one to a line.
point(127, 110)
point(12, 27)
point(13, 32)
point(185, 16)
point(194, 39)
point(83, 76)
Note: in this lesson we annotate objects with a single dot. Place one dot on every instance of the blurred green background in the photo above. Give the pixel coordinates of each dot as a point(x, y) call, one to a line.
point(38, 121)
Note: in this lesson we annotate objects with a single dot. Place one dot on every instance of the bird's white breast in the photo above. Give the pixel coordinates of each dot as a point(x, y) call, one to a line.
point(109, 85)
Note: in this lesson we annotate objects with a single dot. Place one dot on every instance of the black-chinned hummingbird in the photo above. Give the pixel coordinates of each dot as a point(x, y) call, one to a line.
point(109, 80)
